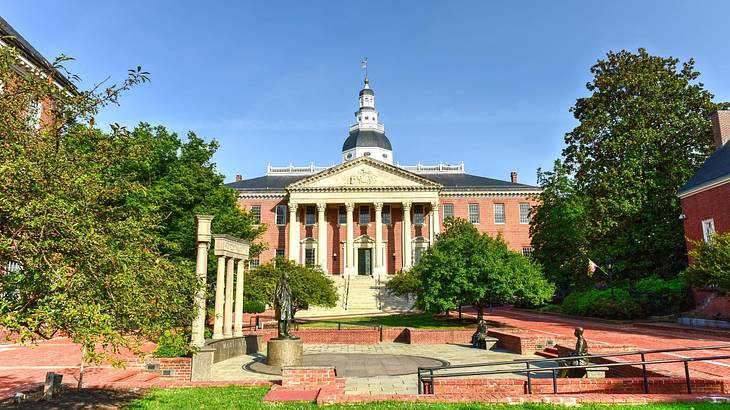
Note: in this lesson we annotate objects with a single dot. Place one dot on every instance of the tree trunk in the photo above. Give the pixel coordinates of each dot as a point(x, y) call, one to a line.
point(480, 311)
point(81, 368)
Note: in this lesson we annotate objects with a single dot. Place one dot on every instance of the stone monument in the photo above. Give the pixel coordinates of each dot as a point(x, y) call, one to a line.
point(285, 349)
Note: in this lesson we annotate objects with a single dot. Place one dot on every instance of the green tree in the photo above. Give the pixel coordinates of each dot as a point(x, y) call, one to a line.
point(310, 286)
point(557, 229)
point(642, 133)
point(710, 266)
point(464, 267)
point(77, 254)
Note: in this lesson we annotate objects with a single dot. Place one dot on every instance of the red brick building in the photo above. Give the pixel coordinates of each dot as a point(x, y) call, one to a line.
point(705, 198)
point(368, 216)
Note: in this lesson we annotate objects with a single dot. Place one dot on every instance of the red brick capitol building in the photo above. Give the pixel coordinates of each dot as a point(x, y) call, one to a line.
point(371, 217)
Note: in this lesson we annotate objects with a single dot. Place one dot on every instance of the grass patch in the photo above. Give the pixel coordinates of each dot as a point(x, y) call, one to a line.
point(418, 321)
point(236, 397)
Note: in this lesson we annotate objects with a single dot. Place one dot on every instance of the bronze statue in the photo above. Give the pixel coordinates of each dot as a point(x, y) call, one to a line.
point(284, 308)
point(478, 339)
point(581, 350)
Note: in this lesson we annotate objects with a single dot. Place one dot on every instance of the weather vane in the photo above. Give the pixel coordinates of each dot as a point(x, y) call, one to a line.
point(364, 64)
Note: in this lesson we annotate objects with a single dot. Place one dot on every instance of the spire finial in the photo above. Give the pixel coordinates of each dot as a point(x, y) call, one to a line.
point(364, 65)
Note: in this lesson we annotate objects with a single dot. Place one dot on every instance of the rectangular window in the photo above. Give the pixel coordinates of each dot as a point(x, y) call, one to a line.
point(342, 215)
point(310, 216)
point(309, 257)
point(499, 213)
point(253, 263)
point(474, 213)
point(708, 228)
point(527, 251)
point(280, 253)
point(417, 252)
point(448, 211)
point(364, 214)
point(418, 214)
point(386, 215)
point(524, 213)
point(281, 215)
point(256, 213)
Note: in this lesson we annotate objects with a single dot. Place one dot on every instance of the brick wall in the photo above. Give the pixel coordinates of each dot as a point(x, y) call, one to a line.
point(712, 305)
point(368, 336)
point(310, 377)
point(429, 336)
point(524, 341)
point(661, 385)
point(396, 335)
point(181, 367)
point(711, 203)
point(515, 233)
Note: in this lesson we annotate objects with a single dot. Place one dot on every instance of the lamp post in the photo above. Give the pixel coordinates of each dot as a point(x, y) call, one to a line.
point(609, 272)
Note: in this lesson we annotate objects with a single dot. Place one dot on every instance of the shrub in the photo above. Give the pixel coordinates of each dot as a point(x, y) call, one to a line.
point(710, 267)
point(173, 344)
point(662, 297)
point(612, 303)
point(253, 306)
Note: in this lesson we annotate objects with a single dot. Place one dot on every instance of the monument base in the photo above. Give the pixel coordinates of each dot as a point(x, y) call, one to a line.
point(284, 352)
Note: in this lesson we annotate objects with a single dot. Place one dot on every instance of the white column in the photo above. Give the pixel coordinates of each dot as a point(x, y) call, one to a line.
point(238, 324)
point(322, 248)
point(228, 307)
point(379, 270)
point(350, 244)
point(201, 265)
point(220, 289)
point(293, 233)
point(406, 235)
point(435, 222)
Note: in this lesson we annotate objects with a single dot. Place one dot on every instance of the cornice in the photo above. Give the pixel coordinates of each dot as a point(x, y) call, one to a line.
point(489, 194)
point(705, 186)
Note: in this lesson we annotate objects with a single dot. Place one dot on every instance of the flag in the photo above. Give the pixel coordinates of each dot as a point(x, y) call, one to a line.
point(364, 63)
point(591, 267)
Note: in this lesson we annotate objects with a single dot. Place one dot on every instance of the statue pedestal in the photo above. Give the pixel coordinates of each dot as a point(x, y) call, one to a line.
point(284, 352)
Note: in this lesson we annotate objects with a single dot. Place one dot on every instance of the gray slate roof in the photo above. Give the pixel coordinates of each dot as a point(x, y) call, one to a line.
point(19, 42)
point(717, 166)
point(451, 182)
point(366, 138)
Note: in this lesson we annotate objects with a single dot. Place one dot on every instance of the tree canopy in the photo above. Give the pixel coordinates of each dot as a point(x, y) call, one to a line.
point(642, 132)
point(465, 267)
point(710, 266)
point(310, 286)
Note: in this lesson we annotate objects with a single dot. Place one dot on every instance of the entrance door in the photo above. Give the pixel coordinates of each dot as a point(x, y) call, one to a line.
point(364, 265)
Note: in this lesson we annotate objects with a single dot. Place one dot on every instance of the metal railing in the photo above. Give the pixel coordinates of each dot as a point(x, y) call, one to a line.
point(426, 375)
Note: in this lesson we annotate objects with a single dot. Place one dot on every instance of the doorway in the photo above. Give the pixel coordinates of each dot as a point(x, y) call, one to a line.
point(364, 262)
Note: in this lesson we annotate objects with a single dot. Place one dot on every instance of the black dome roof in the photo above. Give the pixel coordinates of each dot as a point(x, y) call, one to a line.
point(367, 91)
point(366, 138)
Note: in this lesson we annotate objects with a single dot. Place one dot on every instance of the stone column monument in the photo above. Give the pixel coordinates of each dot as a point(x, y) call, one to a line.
point(201, 270)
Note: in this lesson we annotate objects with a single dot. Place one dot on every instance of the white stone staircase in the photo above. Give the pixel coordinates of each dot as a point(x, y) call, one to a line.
point(360, 295)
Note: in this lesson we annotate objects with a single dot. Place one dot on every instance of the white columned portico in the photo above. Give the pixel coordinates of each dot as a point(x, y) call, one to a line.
point(350, 242)
point(228, 306)
point(220, 287)
point(322, 236)
point(406, 235)
point(378, 250)
point(238, 323)
point(293, 232)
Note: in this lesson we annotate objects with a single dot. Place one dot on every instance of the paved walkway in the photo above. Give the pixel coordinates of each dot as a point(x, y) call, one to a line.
point(455, 354)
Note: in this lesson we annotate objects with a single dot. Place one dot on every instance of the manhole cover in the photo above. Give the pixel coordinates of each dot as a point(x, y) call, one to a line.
point(359, 364)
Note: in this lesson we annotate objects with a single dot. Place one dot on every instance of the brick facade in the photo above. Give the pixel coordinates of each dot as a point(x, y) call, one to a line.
point(516, 234)
point(709, 204)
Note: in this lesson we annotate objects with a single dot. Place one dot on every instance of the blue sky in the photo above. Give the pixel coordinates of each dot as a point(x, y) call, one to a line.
point(484, 82)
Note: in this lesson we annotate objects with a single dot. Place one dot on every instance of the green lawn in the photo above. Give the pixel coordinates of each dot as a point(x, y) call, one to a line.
point(234, 397)
point(420, 321)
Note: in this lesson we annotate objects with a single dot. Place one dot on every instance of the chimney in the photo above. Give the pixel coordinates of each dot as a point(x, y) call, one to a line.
point(239, 177)
point(721, 127)
point(513, 177)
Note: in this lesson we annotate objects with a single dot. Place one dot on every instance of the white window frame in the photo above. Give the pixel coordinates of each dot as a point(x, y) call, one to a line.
point(254, 263)
point(342, 215)
point(472, 219)
point(360, 214)
point(503, 213)
point(280, 250)
point(307, 251)
point(256, 212)
point(527, 251)
point(450, 213)
point(284, 210)
point(419, 221)
point(386, 217)
point(708, 228)
point(308, 214)
point(524, 216)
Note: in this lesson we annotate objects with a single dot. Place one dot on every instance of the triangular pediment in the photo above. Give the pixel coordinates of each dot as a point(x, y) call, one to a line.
point(364, 173)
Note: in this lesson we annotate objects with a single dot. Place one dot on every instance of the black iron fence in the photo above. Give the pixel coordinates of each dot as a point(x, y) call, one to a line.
point(426, 375)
